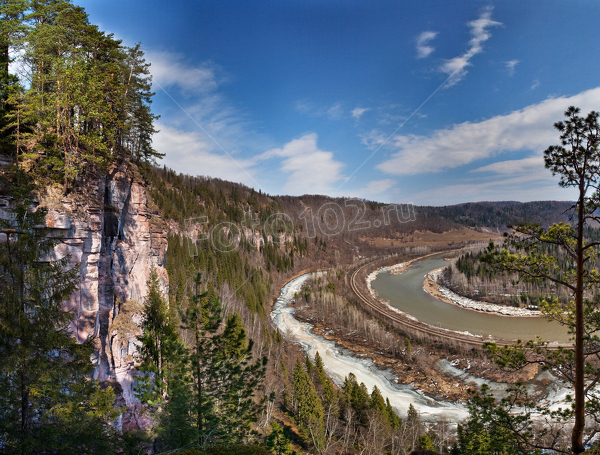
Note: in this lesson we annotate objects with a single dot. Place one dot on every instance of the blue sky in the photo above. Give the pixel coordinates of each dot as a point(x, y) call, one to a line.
point(429, 102)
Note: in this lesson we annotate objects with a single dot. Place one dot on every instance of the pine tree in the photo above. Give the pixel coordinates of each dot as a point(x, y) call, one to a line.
point(11, 27)
point(377, 402)
point(223, 379)
point(414, 426)
point(277, 442)
point(426, 444)
point(393, 418)
point(158, 338)
point(577, 161)
point(137, 127)
point(307, 407)
point(325, 388)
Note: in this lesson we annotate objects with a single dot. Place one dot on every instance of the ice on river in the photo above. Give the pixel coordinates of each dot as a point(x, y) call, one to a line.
point(338, 365)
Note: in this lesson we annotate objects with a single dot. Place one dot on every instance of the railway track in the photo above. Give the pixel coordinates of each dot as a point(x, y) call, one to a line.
point(419, 327)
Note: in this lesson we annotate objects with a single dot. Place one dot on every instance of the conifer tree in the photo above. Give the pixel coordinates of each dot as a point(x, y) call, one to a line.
point(377, 402)
point(277, 442)
point(11, 27)
point(307, 407)
point(137, 127)
point(426, 444)
point(324, 386)
point(393, 418)
point(158, 338)
point(224, 381)
point(414, 426)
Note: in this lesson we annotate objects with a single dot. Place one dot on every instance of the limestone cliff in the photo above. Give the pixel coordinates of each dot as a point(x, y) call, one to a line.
point(114, 236)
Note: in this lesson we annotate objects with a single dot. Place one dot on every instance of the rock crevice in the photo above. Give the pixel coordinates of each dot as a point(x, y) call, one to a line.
point(114, 246)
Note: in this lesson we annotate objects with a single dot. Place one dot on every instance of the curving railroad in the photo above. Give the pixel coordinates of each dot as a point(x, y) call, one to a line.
point(416, 326)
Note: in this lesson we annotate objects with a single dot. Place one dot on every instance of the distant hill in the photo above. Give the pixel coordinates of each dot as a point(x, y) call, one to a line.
point(499, 215)
point(346, 219)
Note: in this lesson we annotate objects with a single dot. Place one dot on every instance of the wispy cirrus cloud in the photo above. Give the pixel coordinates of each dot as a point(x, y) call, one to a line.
point(456, 68)
point(357, 112)
point(203, 133)
point(423, 47)
point(170, 70)
point(511, 66)
point(528, 129)
point(528, 165)
point(375, 187)
point(333, 112)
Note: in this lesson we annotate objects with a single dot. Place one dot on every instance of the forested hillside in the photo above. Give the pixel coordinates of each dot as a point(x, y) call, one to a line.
point(499, 215)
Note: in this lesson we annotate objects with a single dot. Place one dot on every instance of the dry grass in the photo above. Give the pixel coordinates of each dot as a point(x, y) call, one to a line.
point(429, 238)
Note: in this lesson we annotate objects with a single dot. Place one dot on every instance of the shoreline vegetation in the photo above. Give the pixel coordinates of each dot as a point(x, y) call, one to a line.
point(432, 286)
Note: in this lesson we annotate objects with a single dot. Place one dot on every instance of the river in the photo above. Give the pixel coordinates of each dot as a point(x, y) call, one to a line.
point(405, 292)
point(339, 364)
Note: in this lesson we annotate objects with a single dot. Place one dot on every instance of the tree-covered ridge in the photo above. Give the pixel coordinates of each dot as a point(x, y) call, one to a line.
point(499, 215)
point(181, 196)
point(79, 99)
point(248, 282)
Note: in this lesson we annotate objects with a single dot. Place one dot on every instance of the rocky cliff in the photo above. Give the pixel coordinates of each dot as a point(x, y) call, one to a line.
point(114, 237)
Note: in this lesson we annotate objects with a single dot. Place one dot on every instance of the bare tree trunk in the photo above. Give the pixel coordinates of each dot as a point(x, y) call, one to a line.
point(577, 435)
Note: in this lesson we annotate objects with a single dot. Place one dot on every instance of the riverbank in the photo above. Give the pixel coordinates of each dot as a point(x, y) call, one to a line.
point(420, 367)
point(339, 361)
point(432, 287)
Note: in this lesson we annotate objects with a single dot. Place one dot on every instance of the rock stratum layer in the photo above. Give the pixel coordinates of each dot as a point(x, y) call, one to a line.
point(114, 237)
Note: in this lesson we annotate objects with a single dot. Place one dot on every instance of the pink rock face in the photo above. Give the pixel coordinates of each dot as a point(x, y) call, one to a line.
point(114, 246)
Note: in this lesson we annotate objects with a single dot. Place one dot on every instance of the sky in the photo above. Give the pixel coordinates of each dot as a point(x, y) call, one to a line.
point(428, 102)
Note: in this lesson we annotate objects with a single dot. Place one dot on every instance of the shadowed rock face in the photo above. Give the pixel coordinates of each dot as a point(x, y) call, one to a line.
point(113, 237)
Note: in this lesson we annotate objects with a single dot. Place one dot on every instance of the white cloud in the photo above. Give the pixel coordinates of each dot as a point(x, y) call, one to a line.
point(529, 166)
point(536, 84)
point(195, 154)
point(304, 107)
point(456, 68)
point(357, 112)
point(169, 69)
point(423, 48)
point(527, 129)
point(311, 170)
point(511, 66)
point(376, 187)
